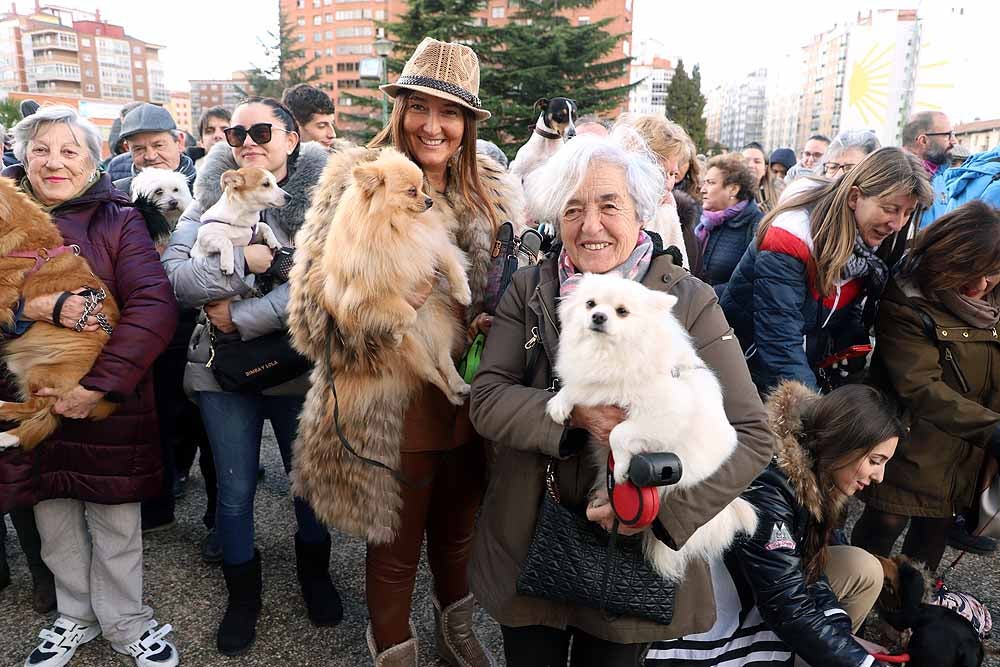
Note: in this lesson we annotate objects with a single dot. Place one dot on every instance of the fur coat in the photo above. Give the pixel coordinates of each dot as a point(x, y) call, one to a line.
point(351, 495)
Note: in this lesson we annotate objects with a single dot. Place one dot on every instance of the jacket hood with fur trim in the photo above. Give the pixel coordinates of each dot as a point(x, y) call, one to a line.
point(784, 411)
point(299, 184)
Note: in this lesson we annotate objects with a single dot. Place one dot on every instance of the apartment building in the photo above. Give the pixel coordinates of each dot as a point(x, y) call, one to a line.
point(207, 93)
point(735, 113)
point(179, 106)
point(73, 53)
point(653, 79)
point(339, 35)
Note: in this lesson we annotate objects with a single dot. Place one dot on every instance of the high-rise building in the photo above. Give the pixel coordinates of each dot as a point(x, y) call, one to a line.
point(339, 34)
point(226, 93)
point(783, 93)
point(649, 96)
point(179, 106)
point(72, 53)
point(735, 113)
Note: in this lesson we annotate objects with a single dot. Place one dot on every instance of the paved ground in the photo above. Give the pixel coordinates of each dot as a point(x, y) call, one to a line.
point(189, 594)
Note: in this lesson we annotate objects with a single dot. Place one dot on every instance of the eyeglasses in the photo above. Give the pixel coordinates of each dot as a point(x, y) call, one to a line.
point(259, 132)
point(831, 168)
point(950, 134)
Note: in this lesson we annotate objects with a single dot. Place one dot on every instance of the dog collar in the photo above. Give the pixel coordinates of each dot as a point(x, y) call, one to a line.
point(43, 255)
point(547, 134)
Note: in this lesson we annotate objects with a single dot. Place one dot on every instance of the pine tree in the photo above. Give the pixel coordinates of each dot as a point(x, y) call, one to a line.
point(540, 53)
point(289, 65)
point(446, 20)
point(10, 112)
point(685, 103)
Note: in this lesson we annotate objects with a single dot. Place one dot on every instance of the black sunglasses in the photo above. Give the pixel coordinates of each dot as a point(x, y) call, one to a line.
point(259, 132)
point(940, 134)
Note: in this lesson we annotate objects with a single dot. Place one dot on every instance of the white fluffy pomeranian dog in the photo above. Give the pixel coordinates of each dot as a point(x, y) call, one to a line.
point(621, 345)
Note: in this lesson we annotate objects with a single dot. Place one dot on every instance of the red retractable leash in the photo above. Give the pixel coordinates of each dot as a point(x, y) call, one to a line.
point(636, 501)
point(893, 659)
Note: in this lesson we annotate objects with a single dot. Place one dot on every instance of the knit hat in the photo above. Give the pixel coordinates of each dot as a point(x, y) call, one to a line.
point(147, 118)
point(785, 156)
point(447, 70)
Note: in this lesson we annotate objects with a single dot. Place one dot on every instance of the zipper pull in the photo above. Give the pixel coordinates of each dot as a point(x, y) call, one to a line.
point(534, 339)
point(947, 354)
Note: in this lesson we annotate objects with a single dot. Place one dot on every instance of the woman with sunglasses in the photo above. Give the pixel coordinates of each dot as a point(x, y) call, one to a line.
point(251, 303)
point(433, 122)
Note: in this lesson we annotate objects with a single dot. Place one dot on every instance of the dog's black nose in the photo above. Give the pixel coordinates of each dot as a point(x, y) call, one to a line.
point(571, 132)
point(598, 318)
point(428, 202)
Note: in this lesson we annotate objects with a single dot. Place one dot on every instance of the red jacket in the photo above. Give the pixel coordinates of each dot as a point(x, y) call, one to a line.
point(116, 460)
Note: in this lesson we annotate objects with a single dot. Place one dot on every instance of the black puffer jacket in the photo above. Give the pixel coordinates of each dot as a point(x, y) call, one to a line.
point(807, 617)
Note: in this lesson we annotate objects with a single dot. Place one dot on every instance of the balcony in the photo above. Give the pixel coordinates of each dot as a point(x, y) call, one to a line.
point(57, 72)
point(51, 39)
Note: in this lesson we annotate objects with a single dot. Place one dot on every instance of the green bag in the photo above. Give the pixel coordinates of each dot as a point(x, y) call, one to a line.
point(470, 362)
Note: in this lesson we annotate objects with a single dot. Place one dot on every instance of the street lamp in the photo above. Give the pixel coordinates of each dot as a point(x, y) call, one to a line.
point(383, 47)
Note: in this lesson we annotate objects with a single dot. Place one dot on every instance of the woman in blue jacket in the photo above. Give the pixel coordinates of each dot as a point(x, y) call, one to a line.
point(783, 592)
point(796, 296)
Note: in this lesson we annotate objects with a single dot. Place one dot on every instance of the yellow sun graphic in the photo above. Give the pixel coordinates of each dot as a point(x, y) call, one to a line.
point(927, 86)
point(868, 85)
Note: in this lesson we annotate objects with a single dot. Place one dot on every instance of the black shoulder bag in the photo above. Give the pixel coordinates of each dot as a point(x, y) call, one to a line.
point(252, 366)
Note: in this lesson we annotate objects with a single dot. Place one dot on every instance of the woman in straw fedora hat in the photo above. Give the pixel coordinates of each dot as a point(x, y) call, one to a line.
point(433, 122)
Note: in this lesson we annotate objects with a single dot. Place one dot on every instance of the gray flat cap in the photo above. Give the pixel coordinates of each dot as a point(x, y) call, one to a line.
point(147, 118)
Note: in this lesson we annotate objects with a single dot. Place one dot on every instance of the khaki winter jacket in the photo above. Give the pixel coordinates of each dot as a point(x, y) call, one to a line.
point(949, 387)
point(509, 408)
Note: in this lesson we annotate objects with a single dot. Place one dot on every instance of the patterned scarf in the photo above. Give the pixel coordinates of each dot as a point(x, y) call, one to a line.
point(864, 262)
point(633, 268)
point(713, 219)
point(931, 168)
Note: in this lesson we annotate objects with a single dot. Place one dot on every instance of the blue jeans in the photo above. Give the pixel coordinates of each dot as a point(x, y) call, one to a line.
point(235, 423)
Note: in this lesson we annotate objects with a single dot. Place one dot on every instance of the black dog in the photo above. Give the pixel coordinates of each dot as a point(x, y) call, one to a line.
point(941, 637)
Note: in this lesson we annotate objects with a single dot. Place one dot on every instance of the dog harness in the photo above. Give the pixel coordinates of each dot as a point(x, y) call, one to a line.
point(43, 255)
point(966, 606)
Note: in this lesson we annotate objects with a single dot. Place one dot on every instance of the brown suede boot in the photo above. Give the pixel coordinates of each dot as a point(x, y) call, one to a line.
point(400, 655)
point(457, 643)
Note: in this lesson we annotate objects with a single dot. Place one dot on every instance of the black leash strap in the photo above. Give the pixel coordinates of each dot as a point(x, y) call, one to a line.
point(609, 565)
point(343, 439)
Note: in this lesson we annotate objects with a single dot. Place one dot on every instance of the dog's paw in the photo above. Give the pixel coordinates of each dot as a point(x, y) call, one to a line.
point(7, 440)
point(273, 244)
point(459, 394)
point(558, 408)
point(622, 461)
point(227, 268)
point(462, 293)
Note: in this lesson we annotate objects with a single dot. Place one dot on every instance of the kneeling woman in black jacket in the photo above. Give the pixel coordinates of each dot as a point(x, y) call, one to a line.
point(784, 592)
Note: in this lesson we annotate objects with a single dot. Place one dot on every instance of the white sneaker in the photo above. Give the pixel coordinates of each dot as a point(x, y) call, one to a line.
point(60, 643)
point(151, 649)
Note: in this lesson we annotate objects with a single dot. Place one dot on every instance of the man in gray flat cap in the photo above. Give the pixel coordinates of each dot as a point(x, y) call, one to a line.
point(154, 142)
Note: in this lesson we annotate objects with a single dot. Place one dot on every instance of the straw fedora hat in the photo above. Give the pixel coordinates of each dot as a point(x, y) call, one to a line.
point(442, 69)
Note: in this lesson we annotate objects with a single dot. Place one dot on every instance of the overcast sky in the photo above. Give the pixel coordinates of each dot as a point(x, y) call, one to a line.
point(212, 38)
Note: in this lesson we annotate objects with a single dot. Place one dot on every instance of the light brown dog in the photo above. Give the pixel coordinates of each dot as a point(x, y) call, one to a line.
point(46, 355)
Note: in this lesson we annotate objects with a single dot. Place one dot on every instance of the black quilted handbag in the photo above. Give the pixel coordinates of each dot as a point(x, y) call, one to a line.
point(574, 560)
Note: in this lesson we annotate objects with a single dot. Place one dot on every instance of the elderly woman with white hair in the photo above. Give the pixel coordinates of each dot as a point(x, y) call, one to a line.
point(846, 150)
point(601, 194)
point(87, 479)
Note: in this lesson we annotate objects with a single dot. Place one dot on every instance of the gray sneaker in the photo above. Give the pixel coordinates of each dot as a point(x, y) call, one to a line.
point(59, 643)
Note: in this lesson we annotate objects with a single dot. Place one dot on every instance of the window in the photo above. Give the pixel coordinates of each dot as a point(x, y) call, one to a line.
point(356, 31)
point(353, 49)
point(300, 21)
point(583, 20)
point(328, 18)
point(626, 48)
point(137, 50)
point(203, 86)
point(329, 51)
point(140, 92)
point(88, 58)
point(317, 37)
point(91, 88)
point(328, 34)
point(215, 99)
point(89, 73)
point(140, 78)
point(379, 14)
point(329, 69)
point(300, 37)
point(139, 64)
point(349, 83)
point(347, 67)
point(497, 12)
point(215, 86)
point(317, 20)
point(318, 70)
point(85, 41)
point(317, 4)
point(300, 4)
point(345, 101)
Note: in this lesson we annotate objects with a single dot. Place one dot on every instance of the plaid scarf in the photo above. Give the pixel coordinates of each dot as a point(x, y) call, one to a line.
point(633, 268)
point(864, 262)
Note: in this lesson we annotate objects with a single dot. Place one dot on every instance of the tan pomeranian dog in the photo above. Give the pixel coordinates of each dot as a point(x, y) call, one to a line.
point(384, 243)
point(45, 355)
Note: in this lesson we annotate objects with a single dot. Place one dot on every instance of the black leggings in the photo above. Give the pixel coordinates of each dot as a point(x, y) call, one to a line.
point(539, 646)
point(876, 531)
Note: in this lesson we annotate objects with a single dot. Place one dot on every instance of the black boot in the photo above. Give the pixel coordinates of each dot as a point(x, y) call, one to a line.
point(312, 562)
point(239, 624)
point(4, 567)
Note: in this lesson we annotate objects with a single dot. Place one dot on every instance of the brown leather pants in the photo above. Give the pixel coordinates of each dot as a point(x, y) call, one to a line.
point(446, 510)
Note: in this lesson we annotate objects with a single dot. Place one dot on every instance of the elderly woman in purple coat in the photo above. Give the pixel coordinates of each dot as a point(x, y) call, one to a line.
point(87, 479)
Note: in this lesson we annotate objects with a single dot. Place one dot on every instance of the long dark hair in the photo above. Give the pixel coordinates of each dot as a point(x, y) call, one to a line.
point(838, 429)
point(960, 245)
point(470, 186)
point(282, 113)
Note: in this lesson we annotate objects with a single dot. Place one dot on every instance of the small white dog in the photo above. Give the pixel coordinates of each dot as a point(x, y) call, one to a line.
point(160, 193)
point(234, 220)
point(621, 345)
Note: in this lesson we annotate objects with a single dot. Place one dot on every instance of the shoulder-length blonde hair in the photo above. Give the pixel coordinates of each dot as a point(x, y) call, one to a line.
point(466, 169)
point(885, 173)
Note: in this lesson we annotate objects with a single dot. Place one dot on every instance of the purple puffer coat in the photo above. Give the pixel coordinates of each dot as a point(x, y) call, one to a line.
point(116, 460)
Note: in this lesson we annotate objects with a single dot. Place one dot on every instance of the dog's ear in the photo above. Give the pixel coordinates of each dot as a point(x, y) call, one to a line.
point(232, 179)
point(541, 103)
point(369, 177)
point(662, 300)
